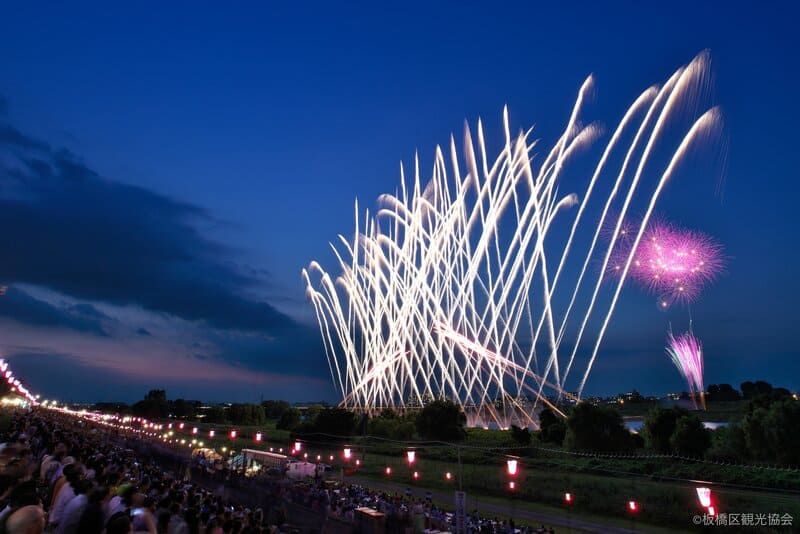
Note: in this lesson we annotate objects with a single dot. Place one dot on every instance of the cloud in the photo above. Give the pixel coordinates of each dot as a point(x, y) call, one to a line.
point(24, 308)
point(66, 228)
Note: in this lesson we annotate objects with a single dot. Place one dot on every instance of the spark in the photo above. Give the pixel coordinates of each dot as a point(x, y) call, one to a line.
point(673, 262)
point(686, 352)
point(459, 288)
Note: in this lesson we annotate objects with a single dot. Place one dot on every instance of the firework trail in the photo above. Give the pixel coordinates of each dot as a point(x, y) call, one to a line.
point(674, 263)
point(686, 352)
point(459, 289)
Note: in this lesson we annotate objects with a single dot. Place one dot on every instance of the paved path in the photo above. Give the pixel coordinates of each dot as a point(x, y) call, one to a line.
point(486, 508)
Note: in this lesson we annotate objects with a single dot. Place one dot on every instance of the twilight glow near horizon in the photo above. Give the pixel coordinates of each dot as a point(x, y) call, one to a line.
point(165, 177)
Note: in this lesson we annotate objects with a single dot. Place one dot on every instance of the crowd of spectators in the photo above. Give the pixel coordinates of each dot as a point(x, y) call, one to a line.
point(66, 475)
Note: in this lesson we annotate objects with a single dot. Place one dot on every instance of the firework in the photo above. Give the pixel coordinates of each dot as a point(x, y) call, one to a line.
point(686, 352)
point(674, 263)
point(458, 288)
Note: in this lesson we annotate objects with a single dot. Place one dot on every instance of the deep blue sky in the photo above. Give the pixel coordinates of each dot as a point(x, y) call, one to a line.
point(168, 169)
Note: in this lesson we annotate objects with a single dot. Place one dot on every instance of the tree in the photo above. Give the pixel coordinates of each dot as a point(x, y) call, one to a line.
point(690, 437)
point(153, 406)
point(216, 414)
point(183, 409)
point(722, 392)
point(274, 409)
point(246, 414)
point(751, 390)
point(289, 419)
point(521, 435)
point(770, 427)
point(441, 419)
point(659, 425)
point(552, 428)
point(335, 421)
point(727, 444)
point(598, 428)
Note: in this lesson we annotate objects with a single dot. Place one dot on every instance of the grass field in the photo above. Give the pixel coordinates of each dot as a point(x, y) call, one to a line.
point(601, 486)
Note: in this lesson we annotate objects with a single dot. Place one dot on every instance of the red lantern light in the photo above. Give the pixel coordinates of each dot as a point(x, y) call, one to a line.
point(388, 470)
point(298, 446)
point(358, 462)
point(211, 433)
point(704, 496)
point(233, 434)
point(568, 498)
point(194, 430)
point(347, 454)
point(512, 485)
point(633, 507)
point(448, 475)
point(258, 436)
point(416, 475)
point(512, 467)
point(411, 455)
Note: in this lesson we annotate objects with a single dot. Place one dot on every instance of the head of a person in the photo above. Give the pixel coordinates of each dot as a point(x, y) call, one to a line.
point(119, 523)
point(26, 520)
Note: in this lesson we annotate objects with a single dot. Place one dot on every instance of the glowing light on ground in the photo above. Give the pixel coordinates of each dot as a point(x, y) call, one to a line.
point(686, 352)
point(462, 288)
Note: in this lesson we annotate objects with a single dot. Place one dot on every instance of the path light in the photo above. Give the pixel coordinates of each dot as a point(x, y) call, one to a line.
point(512, 467)
point(704, 495)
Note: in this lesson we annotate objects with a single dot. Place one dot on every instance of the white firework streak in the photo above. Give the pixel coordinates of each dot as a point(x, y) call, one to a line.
point(448, 291)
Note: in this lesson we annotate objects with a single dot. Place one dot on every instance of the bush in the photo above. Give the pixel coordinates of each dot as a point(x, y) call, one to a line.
point(690, 437)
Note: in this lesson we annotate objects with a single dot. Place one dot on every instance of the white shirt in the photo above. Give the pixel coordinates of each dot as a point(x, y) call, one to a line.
point(65, 494)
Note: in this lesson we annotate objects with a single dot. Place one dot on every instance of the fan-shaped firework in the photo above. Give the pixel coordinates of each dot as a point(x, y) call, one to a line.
point(686, 353)
point(672, 262)
point(459, 289)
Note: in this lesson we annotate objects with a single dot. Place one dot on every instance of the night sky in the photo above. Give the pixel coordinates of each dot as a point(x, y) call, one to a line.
point(167, 170)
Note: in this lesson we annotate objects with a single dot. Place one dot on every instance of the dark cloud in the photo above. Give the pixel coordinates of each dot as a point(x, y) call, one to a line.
point(64, 227)
point(22, 307)
point(143, 332)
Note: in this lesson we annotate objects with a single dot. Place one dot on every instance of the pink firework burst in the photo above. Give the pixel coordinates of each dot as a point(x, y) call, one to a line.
point(686, 352)
point(672, 262)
